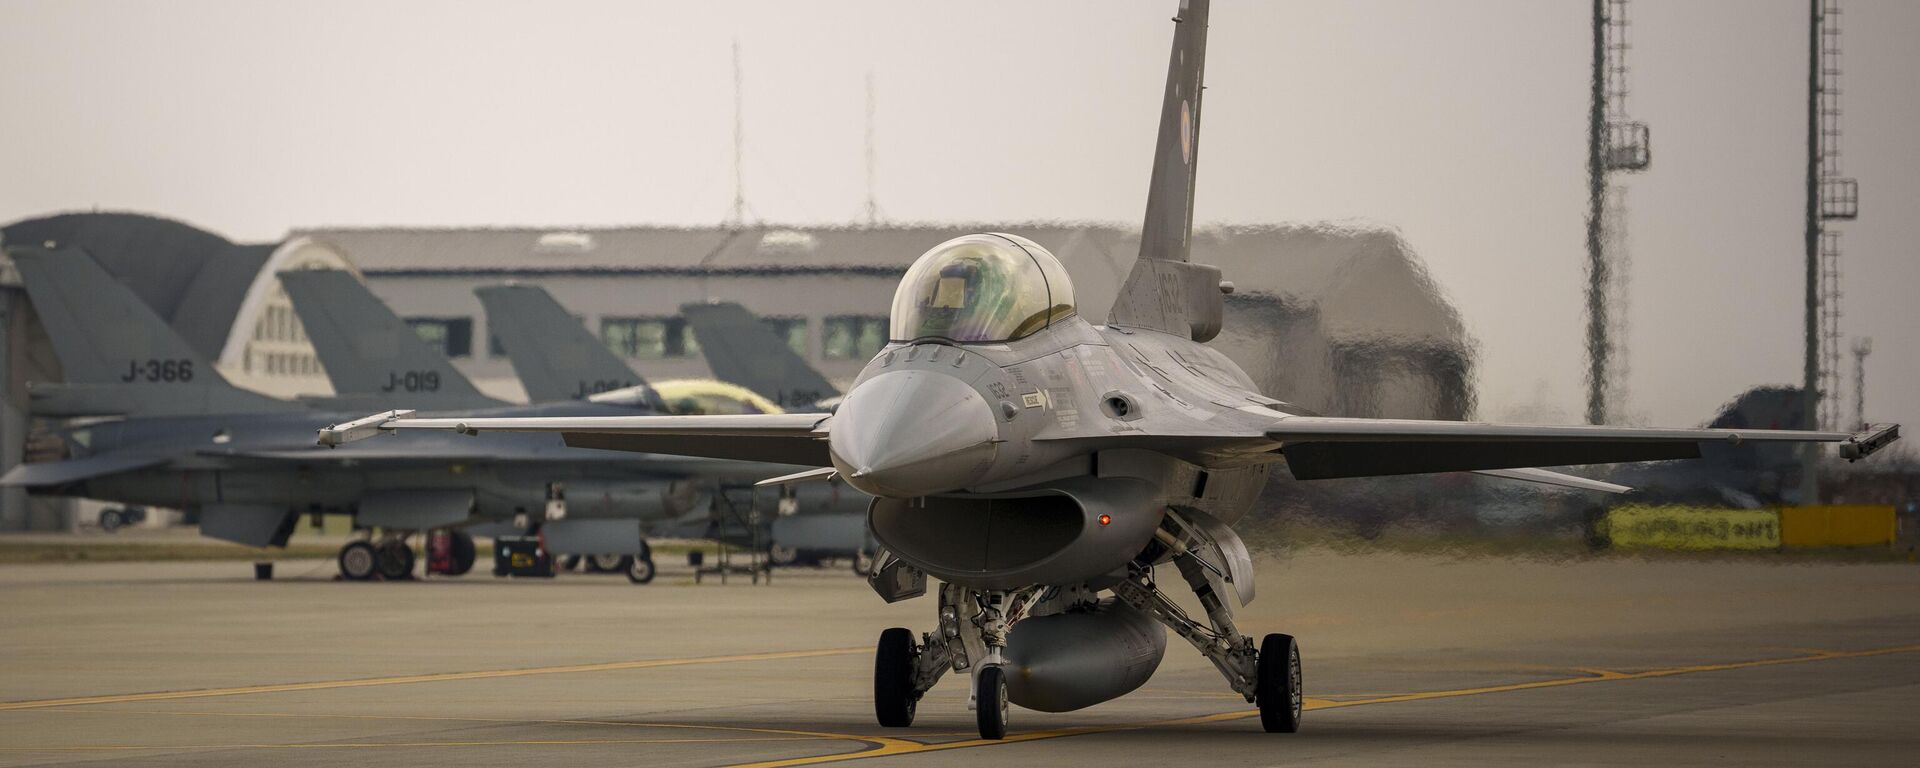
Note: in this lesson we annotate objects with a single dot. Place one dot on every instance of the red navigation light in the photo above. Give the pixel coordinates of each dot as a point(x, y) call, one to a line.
point(1105, 519)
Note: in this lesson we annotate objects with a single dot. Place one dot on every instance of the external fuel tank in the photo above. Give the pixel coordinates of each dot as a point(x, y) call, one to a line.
point(1067, 661)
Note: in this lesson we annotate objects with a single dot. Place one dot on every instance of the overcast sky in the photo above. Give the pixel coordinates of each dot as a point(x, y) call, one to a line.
point(1462, 124)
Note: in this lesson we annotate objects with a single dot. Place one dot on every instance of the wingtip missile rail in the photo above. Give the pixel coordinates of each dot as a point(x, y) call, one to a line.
point(337, 435)
point(1868, 441)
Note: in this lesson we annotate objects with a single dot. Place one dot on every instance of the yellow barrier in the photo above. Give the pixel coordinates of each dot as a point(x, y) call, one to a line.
point(1678, 527)
point(1836, 526)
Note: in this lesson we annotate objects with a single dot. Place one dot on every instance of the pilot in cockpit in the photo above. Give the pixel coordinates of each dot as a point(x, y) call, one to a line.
point(981, 288)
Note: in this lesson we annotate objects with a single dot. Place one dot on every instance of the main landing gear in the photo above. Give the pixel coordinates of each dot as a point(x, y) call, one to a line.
point(390, 558)
point(974, 625)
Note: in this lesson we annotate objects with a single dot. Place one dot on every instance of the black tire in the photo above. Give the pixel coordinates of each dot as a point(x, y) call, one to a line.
point(640, 570)
point(112, 520)
point(1277, 686)
point(463, 553)
point(394, 561)
point(357, 561)
point(607, 563)
point(782, 555)
point(990, 702)
point(894, 698)
point(263, 571)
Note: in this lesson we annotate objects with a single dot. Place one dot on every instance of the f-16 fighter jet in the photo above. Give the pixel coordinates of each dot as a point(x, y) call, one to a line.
point(1041, 466)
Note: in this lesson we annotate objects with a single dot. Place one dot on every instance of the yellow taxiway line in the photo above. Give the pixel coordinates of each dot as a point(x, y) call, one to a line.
point(442, 677)
point(1600, 676)
point(879, 746)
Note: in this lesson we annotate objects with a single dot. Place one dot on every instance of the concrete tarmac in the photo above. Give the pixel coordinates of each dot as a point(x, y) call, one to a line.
point(1409, 660)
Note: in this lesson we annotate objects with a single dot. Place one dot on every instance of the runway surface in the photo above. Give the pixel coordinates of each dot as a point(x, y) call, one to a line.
point(1409, 660)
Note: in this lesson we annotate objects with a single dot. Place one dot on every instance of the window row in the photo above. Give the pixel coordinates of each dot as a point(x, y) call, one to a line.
point(283, 364)
point(279, 323)
point(844, 337)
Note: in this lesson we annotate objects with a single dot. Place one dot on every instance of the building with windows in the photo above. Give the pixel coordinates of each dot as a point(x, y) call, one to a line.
point(1339, 319)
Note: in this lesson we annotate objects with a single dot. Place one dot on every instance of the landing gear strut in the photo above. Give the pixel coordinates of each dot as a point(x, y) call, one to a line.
point(972, 635)
point(1269, 677)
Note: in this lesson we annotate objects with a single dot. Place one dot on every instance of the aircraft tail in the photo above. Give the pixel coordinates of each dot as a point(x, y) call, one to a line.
point(555, 356)
point(744, 351)
point(1193, 307)
point(118, 355)
point(369, 352)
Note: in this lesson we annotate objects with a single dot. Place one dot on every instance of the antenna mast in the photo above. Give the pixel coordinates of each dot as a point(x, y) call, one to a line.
point(1830, 197)
point(873, 202)
point(1614, 143)
point(736, 218)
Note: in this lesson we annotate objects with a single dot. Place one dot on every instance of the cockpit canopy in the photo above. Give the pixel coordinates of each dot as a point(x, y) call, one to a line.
point(981, 288)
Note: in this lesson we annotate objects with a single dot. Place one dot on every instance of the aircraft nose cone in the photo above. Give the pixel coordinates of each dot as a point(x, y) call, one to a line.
point(913, 433)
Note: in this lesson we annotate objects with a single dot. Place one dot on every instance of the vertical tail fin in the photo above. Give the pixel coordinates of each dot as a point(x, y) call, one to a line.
point(1165, 292)
point(368, 351)
point(118, 355)
point(744, 351)
point(555, 356)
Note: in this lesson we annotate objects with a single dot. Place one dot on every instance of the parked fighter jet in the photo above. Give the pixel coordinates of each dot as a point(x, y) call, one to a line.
point(1034, 461)
point(247, 464)
point(557, 358)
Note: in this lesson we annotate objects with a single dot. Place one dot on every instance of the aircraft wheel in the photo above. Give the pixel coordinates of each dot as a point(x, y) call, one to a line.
point(112, 520)
point(894, 699)
point(463, 553)
point(783, 555)
point(394, 560)
point(1277, 684)
point(357, 561)
point(606, 563)
point(990, 702)
point(640, 570)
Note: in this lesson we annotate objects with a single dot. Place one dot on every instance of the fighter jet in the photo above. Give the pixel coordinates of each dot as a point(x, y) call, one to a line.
point(1041, 466)
point(556, 358)
point(247, 465)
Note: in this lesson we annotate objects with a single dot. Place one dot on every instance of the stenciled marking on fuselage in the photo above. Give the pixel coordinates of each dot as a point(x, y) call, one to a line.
point(412, 381)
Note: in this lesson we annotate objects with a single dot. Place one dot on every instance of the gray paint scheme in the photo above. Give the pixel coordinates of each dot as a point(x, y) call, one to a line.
point(368, 351)
point(744, 351)
point(118, 355)
point(552, 353)
point(1033, 475)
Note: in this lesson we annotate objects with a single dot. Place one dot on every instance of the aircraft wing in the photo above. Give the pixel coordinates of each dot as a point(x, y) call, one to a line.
point(55, 473)
point(780, 438)
point(1319, 447)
